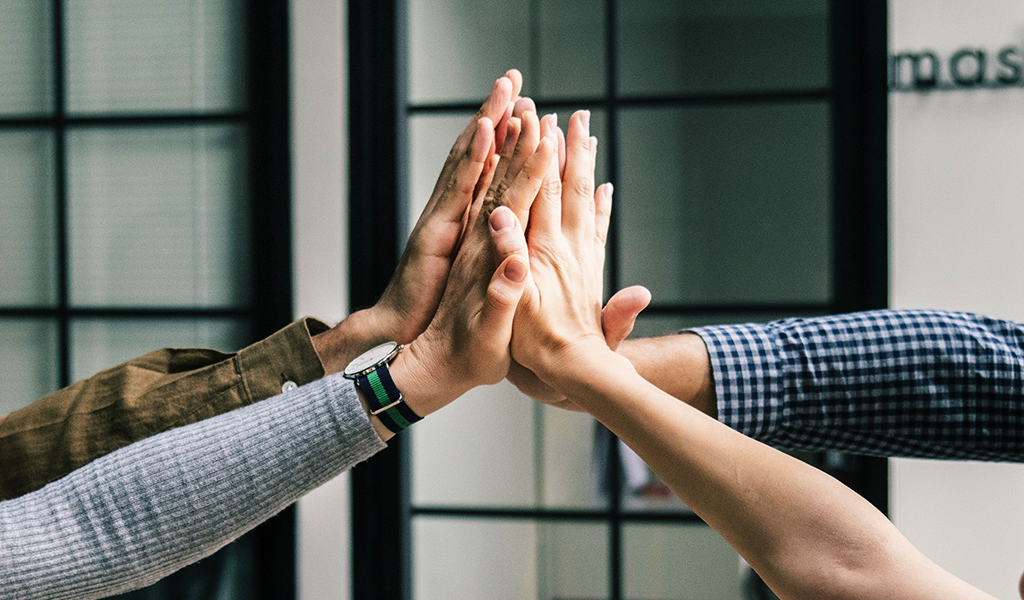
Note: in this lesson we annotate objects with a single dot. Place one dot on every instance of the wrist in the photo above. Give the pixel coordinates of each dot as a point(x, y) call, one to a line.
point(424, 380)
point(357, 333)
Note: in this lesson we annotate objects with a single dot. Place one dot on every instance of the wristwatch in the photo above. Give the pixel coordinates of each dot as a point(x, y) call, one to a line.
point(371, 374)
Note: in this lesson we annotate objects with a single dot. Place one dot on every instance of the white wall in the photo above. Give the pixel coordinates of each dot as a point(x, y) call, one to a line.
point(319, 175)
point(957, 231)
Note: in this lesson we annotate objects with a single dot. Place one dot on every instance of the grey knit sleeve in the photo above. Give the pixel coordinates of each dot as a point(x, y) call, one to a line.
point(142, 512)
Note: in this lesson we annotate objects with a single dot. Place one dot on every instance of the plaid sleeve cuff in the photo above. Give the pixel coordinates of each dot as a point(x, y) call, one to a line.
point(745, 360)
point(287, 355)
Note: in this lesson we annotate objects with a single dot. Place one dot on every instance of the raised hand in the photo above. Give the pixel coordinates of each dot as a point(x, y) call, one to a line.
point(560, 309)
point(414, 292)
point(466, 344)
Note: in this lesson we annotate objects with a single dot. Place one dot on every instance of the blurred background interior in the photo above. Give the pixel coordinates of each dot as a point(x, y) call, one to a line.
point(201, 172)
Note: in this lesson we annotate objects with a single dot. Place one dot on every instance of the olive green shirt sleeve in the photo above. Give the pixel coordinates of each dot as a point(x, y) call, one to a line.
point(162, 390)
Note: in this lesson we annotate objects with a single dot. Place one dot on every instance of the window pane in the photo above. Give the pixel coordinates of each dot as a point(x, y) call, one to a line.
point(479, 453)
point(98, 343)
point(727, 204)
point(430, 139)
point(508, 559)
point(26, 58)
point(131, 56)
point(27, 241)
point(459, 47)
point(674, 562)
point(571, 459)
point(570, 50)
point(693, 46)
point(158, 217)
point(28, 360)
point(453, 46)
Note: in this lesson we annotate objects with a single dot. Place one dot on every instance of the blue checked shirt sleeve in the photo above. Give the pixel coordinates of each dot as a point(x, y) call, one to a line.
point(924, 384)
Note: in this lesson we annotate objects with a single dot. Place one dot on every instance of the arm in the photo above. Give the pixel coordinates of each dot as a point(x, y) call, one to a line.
point(141, 512)
point(137, 514)
point(805, 533)
point(170, 388)
point(925, 384)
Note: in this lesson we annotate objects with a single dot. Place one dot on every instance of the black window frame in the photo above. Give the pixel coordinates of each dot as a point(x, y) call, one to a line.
point(266, 119)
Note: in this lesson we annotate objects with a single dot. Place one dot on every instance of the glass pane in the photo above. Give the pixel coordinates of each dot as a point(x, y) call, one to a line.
point(430, 139)
point(693, 46)
point(26, 58)
point(726, 204)
point(674, 562)
point(174, 55)
point(570, 50)
point(27, 229)
point(478, 453)
point(158, 217)
point(471, 559)
point(98, 344)
point(453, 43)
point(572, 561)
point(28, 360)
point(572, 469)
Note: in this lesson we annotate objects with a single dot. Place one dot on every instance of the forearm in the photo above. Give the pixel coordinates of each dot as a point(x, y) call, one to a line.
point(678, 365)
point(159, 391)
point(804, 532)
point(893, 383)
point(146, 510)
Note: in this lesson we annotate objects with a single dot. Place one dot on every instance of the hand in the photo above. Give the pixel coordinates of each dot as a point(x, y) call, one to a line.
point(617, 320)
point(559, 317)
point(467, 342)
point(415, 289)
point(414, 292)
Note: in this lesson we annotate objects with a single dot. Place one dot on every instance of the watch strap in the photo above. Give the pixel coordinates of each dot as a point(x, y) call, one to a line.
point(384, 399)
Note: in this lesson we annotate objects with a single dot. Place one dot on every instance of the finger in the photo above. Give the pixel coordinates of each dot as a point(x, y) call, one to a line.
point(578, 212)
point(526, 145)
point(509, 279)
point(561, 153)
point(619, 315)
point(459, 194)
point(507, 150)
point(480, 197)
point(521, 193)
point(603, 212)
point(507, 234)
point(522, 105)
point(493, 108)
point(501, 129)
point(516, 78)
point(546, 211)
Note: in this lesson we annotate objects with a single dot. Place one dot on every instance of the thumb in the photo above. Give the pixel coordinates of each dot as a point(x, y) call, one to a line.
point(620, 313)
point(509, 279)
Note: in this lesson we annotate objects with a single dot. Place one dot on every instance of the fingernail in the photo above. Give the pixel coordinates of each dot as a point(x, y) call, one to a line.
point(515, 270)
point(611, 188)
point(554, 120)
point(502, 219)
point(497, 82)
point(586, 119)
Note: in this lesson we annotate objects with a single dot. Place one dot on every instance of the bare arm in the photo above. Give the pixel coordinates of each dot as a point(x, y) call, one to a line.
point(806, 534)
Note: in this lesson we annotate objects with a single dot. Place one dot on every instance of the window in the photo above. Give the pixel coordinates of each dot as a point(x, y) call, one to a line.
point(746, 142)
point(144, 146)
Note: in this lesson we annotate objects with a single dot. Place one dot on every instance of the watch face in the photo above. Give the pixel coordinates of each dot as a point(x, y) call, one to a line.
point(371, 358)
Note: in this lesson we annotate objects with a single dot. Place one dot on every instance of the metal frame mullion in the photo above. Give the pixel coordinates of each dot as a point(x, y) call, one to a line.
point(60, 193)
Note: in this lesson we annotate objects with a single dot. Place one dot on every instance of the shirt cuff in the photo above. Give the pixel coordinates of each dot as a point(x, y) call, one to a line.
point(286, 356)
point(747, 367)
